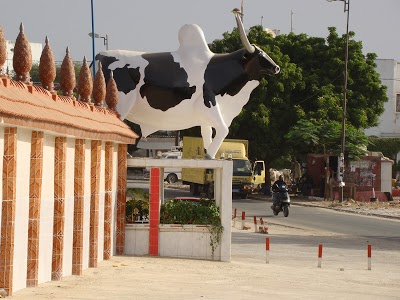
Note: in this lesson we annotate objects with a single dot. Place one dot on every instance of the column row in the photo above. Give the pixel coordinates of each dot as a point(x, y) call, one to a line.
point(36, 184)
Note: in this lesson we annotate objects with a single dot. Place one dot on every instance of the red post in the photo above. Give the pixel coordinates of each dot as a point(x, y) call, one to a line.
point(243, 215)
point(319, 255)
point(369, 256)
point(267, 249)
point(234, 214)
point(154, 211)
point(267, 244)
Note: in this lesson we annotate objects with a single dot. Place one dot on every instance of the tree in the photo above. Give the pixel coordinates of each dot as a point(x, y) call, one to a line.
point(321, 136)
point(308, 89)
point(34, 73)
point(270, 99)
point(323, 64)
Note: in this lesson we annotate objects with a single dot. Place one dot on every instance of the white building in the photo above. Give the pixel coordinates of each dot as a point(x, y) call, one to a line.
point(389, 121)
point(36, 49)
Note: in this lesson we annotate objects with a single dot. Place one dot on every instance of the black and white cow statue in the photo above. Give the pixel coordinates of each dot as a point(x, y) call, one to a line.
point(189, 87)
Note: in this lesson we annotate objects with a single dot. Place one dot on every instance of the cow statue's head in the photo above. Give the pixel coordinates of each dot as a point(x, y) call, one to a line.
point(257, 62)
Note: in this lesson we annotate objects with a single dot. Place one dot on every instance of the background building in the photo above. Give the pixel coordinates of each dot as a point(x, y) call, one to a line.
point(389, 121)
point(36, 49)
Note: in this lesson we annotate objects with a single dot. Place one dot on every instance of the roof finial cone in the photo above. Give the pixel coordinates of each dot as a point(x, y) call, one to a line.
point(22, 60)
point(99, 87)
point(85, 83)
point(3, 51)
point(67, 75)
point(47, 67)
point(112, 94)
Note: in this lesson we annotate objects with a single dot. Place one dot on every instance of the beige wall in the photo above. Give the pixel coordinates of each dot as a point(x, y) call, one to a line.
point(47, 206)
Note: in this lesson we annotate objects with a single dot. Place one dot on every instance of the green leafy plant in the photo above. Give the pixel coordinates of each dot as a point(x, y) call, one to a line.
point(204, 212)
point(137, 207)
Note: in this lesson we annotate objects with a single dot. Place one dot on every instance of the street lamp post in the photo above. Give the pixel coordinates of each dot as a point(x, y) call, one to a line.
point(98, 36)
point(93, 36)
point(343, 137)
point(241, 11)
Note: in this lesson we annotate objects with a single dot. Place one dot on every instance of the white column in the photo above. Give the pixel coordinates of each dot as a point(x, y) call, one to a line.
point(162, 199)
point(223, 182)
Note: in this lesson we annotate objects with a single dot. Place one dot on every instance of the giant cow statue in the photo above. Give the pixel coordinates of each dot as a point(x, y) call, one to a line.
point(189, 87)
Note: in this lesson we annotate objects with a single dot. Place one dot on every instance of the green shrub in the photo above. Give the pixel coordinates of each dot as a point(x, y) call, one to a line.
point(137, 207)
point(203, 212)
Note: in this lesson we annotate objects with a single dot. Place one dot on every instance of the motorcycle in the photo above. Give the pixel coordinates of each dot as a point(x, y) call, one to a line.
point(280, 200)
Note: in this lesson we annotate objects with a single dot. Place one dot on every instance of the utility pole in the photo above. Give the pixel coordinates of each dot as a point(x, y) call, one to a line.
point(241, 11)
point(93, 51)
point(341, 162)
point(291, 20)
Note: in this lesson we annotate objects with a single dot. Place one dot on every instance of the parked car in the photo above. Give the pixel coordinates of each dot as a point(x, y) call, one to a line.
point(172, 175)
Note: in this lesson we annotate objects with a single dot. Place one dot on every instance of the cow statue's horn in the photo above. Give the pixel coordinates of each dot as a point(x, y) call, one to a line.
point(243, 37)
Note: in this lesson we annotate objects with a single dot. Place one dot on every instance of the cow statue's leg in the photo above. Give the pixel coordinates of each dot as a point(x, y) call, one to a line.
point(221, 133)
point(221, 130)
point(206, 133)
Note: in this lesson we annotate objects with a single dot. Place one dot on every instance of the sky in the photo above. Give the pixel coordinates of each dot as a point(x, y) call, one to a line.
point(152, 25)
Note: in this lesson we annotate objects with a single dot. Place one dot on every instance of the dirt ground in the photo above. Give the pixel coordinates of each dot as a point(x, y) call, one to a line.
point(292, 272)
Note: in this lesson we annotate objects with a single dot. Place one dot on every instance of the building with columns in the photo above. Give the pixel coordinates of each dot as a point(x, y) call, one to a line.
point(63, 168)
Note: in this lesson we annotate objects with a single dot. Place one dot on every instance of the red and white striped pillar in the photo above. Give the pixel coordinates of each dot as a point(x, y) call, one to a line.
point(154, 210)
point(369, 256)
point(267, 249)
point(263, 228)
point(319, 255)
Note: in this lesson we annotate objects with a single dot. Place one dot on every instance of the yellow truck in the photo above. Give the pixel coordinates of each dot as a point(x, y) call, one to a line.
point(246, 177)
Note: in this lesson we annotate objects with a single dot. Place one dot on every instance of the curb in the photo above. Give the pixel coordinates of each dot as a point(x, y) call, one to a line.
point(363, 213)
point(304, 203)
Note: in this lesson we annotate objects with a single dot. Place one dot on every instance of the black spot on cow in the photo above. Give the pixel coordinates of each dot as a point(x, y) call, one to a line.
point(126, 78)
point(165, 82)
point(225, 74)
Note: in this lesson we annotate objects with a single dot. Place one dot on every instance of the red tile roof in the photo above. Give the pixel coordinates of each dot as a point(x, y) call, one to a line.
point(34, 107)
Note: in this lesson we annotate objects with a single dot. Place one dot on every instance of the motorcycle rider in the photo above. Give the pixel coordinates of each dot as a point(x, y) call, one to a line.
point(278, 184)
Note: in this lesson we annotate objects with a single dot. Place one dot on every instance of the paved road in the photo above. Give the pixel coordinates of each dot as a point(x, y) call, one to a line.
point(385, 231)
